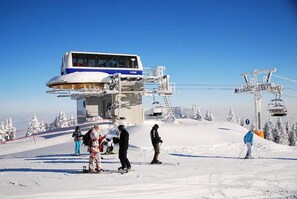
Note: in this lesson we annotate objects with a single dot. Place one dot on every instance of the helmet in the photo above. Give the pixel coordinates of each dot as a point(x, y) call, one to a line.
point(121, 127)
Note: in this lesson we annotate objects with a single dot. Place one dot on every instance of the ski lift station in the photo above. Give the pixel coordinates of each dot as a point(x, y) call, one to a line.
point(110, 85)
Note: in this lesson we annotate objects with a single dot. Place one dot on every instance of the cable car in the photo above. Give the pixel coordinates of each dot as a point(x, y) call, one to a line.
point(277, 108)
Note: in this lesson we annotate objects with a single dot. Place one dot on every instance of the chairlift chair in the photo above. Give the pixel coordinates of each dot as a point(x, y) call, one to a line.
point(157, 109)
point(277, 108)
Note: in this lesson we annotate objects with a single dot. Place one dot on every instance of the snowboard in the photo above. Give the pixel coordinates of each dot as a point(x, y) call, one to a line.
point(105, 171)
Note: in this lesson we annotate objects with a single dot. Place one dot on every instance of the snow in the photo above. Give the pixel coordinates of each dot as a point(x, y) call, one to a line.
point(81, 77)
point(201, 160)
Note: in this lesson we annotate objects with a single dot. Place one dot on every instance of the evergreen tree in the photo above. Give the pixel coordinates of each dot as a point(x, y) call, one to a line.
point(209, 116)
point(71, 122)
point(3, 134)
point(199, 116)
point(195, 110)
point(34, 126)
point(196, 113)
point(231, 116)
point(10, 130)
point(280, 133)
point(61, 120)
point(241, 122)
point(292, 135)
point(7, 131)
point(268, 130)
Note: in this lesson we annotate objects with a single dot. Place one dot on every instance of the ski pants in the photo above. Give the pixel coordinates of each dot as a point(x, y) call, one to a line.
point(123, 158)
point(157, 151)
point(77, 147)
point(95, 161)
point(249, 149)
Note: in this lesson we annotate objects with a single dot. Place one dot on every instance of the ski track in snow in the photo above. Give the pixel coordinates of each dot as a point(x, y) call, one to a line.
point(191, 168)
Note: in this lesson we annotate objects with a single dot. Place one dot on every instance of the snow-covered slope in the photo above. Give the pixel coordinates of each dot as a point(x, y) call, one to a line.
point(200, 161)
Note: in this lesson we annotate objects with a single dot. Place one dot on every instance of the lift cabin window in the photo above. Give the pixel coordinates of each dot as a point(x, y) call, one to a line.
point(110, 61)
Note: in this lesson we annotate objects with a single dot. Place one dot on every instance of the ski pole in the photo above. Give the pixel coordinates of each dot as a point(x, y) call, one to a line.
point(241, 152)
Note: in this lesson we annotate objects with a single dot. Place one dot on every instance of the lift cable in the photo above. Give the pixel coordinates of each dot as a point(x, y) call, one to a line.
point(285, 78)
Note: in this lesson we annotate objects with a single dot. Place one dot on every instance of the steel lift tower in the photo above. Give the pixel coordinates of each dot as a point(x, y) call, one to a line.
point(256, 88)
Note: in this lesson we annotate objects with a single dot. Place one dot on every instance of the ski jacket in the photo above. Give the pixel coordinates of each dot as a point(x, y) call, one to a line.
point(95, 135)
point(124, 140)
point(77, 136)
point(249, 136)
point(155, 136)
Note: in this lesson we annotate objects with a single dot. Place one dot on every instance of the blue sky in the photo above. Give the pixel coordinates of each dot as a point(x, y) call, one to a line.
point(199, 41)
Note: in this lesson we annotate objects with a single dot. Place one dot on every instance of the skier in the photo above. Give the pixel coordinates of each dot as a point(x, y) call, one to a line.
point(77, 139)
point(95, 154)
point(123, 148)
point(156, 140)
point(248, 140)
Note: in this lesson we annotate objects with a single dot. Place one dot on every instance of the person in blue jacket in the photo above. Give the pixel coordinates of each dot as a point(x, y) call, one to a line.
point(248, 140)
point(77, 135)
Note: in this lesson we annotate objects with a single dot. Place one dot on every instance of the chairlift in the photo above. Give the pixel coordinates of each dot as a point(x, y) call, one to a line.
point(277, 108)
point(157, 108)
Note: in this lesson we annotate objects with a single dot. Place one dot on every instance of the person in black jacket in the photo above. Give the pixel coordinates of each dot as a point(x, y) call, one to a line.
point(156, 140)
point(123, 148)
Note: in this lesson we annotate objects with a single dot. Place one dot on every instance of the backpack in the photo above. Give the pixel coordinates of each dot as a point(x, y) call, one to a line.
point(87, 138)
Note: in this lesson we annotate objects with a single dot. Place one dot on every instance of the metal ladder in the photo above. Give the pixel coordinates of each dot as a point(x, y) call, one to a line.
point(170, 115)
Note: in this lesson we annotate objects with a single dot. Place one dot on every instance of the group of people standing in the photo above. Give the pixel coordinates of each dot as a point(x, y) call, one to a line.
point(97, 140)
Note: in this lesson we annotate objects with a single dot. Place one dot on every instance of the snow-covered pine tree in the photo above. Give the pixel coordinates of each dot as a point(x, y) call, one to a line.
point(292, 135)
point(242, 122)
point(287, 127)
point(7, 131)
point(268, 130)
point(42, 126)
point(194, 109)
point(199, 116)
point(280, 133)
point(231, 116)
point(209, 116)
point(61, 120)
point(10, 130)
point(34, 126)
point(3, 134)
point(196, 112)
point(71, 122)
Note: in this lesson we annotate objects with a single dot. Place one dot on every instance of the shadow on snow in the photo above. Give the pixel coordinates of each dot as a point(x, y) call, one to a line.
point(38, 170)
point(226, 157)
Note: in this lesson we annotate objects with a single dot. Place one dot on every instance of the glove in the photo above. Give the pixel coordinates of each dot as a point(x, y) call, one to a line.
point(161, 141)
point(245, 142)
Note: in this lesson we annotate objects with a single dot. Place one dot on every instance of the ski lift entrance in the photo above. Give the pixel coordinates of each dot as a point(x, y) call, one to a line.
point(277, 108)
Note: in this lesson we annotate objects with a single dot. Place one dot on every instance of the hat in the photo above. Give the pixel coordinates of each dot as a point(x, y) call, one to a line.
point(121, 127)
point(156, 126)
